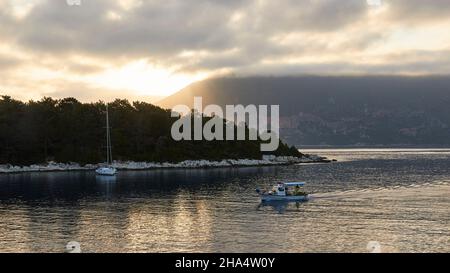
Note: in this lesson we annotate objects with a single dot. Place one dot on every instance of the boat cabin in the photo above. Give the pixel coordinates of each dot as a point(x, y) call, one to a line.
point(287, 189)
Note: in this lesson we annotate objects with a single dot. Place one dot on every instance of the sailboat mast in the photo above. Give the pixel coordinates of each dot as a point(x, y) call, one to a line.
point(110, 144)
point(108, 138)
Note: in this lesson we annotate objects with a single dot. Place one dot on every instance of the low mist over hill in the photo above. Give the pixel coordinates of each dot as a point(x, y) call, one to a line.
point(375, 110)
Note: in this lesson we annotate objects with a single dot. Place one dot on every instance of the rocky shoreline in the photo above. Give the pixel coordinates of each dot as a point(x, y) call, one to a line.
point(188, 164)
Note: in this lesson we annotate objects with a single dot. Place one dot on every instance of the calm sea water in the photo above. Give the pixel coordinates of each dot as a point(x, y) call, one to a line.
point(400, 198)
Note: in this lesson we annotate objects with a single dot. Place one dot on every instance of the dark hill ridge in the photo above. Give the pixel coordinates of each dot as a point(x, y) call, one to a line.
point(67, 130)
point(319, 110)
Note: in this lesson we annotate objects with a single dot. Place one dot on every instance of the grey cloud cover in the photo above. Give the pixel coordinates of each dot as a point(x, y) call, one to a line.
point(162, 29)
point(239, 36)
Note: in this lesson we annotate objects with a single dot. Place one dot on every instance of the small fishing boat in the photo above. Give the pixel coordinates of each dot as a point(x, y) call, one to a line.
point(107, 170)
point(289, 192)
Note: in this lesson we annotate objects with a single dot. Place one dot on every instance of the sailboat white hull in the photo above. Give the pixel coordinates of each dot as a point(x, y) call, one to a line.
point(106, 171)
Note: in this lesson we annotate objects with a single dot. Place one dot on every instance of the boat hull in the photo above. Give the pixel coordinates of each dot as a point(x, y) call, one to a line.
point(270, 198)
point(106, 171)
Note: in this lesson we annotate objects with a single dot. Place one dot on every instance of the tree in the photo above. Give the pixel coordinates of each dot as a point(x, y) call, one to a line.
point(67, 130)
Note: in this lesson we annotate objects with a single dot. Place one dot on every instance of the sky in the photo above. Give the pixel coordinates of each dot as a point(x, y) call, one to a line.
point(137, 49)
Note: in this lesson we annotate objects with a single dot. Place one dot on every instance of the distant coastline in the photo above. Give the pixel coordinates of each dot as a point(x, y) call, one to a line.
point(381, 146)
point(187, 164)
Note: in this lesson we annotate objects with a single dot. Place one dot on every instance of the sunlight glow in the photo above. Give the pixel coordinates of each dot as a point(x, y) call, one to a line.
point(144, 79)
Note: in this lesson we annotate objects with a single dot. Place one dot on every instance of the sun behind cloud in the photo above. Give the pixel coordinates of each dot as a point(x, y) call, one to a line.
point(136, 49)
point(143, 78)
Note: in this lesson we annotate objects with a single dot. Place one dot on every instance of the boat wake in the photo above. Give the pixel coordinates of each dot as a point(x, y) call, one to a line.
point(429, 189)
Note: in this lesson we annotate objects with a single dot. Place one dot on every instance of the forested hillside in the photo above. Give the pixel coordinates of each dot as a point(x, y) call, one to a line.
point(69, 131)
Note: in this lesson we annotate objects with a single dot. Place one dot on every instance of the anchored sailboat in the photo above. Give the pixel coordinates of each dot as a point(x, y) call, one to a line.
point(108, 169)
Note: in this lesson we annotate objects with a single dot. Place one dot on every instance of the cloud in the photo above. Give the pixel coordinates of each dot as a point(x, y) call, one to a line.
point(150, 29)
point(419, 11)
point(210, 37)
point(7, 62)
